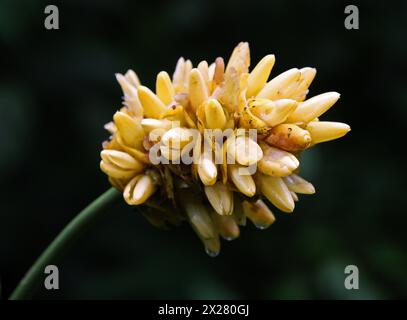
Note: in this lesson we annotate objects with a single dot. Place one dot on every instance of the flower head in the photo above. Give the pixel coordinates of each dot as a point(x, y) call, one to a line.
point(214, 144)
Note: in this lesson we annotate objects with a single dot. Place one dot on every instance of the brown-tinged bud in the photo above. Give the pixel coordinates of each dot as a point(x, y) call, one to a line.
point(289, 137)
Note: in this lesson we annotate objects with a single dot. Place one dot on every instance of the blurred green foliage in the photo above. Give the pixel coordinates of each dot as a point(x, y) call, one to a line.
point(57, 89)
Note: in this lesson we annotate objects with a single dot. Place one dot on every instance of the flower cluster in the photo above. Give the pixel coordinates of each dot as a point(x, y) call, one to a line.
point(231, 176)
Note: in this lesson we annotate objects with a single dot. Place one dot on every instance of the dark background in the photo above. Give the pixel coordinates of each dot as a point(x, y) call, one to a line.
point(57, 89)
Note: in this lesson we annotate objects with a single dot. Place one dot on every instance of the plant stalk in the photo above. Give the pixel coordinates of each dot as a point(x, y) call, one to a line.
point(32, 278)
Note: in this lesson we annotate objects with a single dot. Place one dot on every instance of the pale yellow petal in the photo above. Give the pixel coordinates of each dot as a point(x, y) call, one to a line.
point(299, 185)
point(164, 88)
point(301, 91)
point(240, 59)
point(204, 70)
point(275, 88)
point(226, 226)
point(244, 182)
point(153, 107)
point(276, 162)
point(215, 117)
point(115, 172)
point(150, 124)
point(139, 189)
point(128, 89)
point(177, 137)
point(289, 137)
point(322, 131)
point(314, 107)
point(110, 126)
point(276, 191)
point(228, 91)
point(220, 197)
point(130, 129)
point(178, 76)
point(200, 220)
point(138, 154)
point(207, 170)
point(187, 72)
point(132, 78)
point(294, 195)
point(245, 150)
point(212, 246)
point(218, 71)
point(249, 120)
point(259, 213)
point(259, 75)
point(272, 112)
point(211, 71)
point(121, 159)
point(198, 92)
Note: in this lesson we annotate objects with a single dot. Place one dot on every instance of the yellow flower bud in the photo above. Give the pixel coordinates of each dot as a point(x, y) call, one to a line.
point(121, 160)
point(258, 213)
point(229, 90)
point(177, 137)
point(244, 182)
point(153, 107)
point(299, 185)
point(301, 90)
point(150, 124)
point(244, 150)
point(128, 89)
point(275, 88)
point(164, 89)
point(207, 170)
point(259, 75)
point(276, 162)
point(272, 112)
point(200, 220)
point(289, 137)
point(220, 197)
point(187, 72)
point(138, 154)
point(110, 126)
point(130, 129)
point(178, 76)
point(211, 71)
point(204, 70)
point(139, 189)
point(240, 59)
point(212, 246)
point(226, 226)
point(250, 121)
point(132, 78)
point(322, 131)
point(218, 71)
point(198, 92)
point(294, 195)
point(214, 115)
point(276, 191)
point(314, 107)
point(176, 114)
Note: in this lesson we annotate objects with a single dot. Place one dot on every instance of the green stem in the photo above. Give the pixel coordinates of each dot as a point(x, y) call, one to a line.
point(32, 278)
